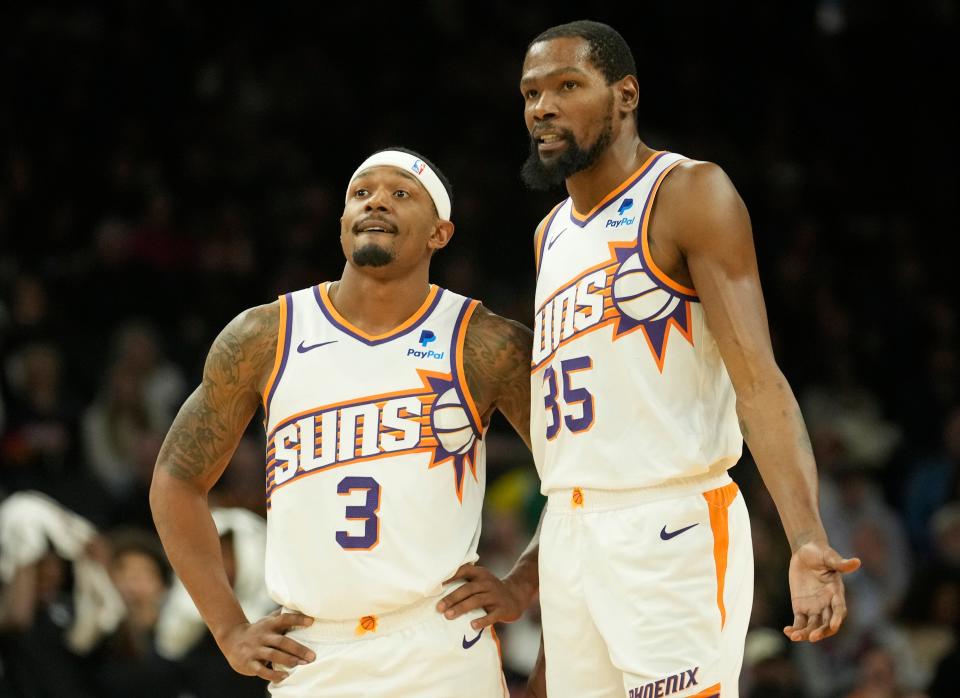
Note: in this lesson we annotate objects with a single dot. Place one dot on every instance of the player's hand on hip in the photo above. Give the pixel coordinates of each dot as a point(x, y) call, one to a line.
point(503, 600)
point(255, 649)
point(816, 591)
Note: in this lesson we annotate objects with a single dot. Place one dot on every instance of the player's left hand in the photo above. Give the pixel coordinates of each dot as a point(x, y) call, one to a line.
point(816, 591)
point(502, 599)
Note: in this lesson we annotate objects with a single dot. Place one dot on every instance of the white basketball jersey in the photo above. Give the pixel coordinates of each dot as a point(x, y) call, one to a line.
point(628, 387)
point(375, 458)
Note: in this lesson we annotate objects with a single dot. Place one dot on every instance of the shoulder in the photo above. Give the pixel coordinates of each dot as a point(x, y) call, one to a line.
point(487, 329)
point(698, 199)
point(247, 345)
point(496, 355)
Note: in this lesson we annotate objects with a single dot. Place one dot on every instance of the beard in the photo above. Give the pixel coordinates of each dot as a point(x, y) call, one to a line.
point(371, 255)
point(543, 176)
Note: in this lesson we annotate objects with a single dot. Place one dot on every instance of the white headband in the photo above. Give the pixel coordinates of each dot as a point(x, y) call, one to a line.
point(411, 163)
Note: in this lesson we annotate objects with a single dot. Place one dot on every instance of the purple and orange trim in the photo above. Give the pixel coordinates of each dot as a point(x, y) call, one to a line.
point(581, 219)
point(540, 238)
point(283, 350)
point(409, 325)
point(659, 276)
point(459, 375)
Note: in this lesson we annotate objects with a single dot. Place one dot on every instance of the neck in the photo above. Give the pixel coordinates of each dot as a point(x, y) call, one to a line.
point(624, 157)
point(378, 305)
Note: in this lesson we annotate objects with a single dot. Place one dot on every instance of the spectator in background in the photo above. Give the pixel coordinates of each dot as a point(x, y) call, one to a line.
point(128, 662)
point(40, 448)
point(933, 481)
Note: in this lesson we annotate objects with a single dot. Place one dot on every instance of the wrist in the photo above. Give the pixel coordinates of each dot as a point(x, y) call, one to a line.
point(816, 534)
point(525, 582)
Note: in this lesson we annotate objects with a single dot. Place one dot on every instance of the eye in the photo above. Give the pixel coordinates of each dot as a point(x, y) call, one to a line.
point(531, 94)
point(359, 193)
point(570, 85)
point(402, 194)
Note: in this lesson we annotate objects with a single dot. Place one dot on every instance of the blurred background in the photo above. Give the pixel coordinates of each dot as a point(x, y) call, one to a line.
point(164, 165)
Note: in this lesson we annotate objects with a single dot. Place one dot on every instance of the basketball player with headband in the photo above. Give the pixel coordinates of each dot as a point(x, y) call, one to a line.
point(377, 390)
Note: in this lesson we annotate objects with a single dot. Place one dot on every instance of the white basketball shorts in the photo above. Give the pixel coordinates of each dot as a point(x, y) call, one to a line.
point(412, 652)
point(646, 593)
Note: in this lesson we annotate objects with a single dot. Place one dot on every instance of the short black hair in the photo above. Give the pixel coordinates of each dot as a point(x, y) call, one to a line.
point(436, 170)
point(609, 52)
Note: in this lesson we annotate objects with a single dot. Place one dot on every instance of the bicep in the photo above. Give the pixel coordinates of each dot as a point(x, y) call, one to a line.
point(211, 422)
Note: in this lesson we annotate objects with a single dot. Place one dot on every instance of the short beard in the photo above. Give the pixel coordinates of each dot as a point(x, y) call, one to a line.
point(543, 176)
point(371, 255)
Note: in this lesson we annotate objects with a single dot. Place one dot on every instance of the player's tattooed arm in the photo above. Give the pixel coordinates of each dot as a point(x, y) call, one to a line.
point(208, 427)
point(198, 447)
point(496, 360)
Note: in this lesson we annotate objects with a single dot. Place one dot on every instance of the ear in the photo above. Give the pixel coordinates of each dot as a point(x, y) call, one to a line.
point(627, 91)
point(441, 235)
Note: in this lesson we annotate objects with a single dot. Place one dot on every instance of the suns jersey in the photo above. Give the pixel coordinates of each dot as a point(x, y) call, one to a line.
point(375, 458)
point(628, 389)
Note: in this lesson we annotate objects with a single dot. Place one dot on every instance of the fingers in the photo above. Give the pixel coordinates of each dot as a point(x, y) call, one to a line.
point(457, 596)
point(823, 630)
point(466, 571)
point(286, 621)
point(838, 607)
point(480, 599)
point(293, 648)
point(258, 668)
point(793, 631)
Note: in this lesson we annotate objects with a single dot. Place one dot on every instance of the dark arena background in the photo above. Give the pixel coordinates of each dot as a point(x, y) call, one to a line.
point(165, 165)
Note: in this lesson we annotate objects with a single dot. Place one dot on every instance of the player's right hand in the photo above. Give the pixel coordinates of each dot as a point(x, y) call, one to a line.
point(254, 649)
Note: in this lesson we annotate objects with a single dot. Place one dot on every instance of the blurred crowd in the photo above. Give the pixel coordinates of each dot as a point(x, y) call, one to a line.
point(164, 166)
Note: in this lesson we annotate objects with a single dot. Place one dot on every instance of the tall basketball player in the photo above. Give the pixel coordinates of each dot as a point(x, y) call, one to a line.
point(377, 389)
point(651, 363)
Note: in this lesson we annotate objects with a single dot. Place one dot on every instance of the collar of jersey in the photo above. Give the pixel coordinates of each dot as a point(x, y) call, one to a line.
point(581, 219)
point(407, 326)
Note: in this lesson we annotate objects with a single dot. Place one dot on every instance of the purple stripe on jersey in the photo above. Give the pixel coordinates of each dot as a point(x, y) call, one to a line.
point(374, 342)
point(600, 210)
point(543, 238)
point(644, 215)
point(460, 381)
point(286, 351)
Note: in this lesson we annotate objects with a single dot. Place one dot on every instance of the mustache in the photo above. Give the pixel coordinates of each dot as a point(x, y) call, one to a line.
point(385, 223)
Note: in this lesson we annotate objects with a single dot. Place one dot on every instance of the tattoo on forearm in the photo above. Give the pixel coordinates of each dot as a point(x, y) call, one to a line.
point(497, 366)
point(212, 420)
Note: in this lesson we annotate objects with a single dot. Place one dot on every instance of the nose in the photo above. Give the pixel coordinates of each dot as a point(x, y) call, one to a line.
point(544, 108)
point(378, 200)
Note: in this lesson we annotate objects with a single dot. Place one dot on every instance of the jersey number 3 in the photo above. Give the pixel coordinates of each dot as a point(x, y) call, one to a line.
point(367, 512)
point(572, 397)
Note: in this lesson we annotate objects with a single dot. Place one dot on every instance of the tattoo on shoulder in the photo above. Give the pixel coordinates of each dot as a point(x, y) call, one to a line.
point(496, 358)
point(205, 432)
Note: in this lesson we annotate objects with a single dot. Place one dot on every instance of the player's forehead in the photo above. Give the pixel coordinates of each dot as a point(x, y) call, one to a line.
point(385, 174)
point(554, 57)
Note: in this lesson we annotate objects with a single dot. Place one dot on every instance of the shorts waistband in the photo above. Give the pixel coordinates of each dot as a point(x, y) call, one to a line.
point(372, 626)
point(582, 499)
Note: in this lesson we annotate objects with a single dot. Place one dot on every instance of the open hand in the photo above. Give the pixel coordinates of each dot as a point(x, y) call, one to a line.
point(502, 599)
point(816, 591)
point(254, 649)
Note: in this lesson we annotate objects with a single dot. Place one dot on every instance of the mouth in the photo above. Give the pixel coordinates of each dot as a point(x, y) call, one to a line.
point(550, 142)
point(374, 226)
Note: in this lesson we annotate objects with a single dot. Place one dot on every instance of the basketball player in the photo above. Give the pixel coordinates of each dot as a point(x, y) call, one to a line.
point(650, 343)
point(377, 389)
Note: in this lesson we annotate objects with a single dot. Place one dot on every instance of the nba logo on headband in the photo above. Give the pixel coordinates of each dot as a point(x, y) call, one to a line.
point(418, 166)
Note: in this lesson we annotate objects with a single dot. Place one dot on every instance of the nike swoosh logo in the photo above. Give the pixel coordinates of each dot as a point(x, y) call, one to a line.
point(467, 644)
point(673, 534)
point(555, 238)
point(304, 349)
